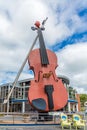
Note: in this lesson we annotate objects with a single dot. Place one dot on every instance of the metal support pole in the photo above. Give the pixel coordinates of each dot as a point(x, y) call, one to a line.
point(19, 72)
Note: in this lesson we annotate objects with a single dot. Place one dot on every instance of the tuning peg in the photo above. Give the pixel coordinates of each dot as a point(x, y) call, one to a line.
point(33, 28)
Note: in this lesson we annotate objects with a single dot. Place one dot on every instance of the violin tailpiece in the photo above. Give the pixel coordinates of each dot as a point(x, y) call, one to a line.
point(49, 90)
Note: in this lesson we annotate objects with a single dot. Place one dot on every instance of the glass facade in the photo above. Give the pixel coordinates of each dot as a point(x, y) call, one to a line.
point(19, 99)
point(72, 93)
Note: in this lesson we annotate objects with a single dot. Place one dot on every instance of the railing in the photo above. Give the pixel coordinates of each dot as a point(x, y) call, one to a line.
point(29, 118)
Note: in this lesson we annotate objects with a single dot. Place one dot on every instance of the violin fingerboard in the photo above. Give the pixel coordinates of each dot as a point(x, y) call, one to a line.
point(43, 53)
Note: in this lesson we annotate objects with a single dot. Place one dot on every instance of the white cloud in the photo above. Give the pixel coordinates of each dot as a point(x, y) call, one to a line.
point(72, 63)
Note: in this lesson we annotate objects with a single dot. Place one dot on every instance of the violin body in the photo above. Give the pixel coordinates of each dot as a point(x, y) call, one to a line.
point(46, 91)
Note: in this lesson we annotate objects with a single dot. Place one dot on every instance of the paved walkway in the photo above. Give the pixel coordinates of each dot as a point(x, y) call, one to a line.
point(36, 128)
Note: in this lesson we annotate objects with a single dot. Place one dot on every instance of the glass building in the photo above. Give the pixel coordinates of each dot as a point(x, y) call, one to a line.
point(18, 101)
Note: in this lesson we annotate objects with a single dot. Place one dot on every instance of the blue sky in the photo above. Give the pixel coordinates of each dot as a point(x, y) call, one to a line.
point(75, 38)
point(65, 35)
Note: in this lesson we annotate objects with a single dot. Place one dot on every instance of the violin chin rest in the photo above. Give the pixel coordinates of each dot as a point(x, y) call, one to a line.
point(39, 104)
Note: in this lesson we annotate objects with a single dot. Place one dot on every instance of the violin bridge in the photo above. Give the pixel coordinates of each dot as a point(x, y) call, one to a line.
point(47, 75)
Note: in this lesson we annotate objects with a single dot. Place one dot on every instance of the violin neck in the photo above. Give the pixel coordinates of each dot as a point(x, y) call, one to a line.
point(43, 52)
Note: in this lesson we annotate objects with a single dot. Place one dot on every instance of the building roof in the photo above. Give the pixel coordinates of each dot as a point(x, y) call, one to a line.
point(64, 79)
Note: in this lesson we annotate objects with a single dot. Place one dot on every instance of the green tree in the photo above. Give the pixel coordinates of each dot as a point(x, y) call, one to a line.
point(83, 99)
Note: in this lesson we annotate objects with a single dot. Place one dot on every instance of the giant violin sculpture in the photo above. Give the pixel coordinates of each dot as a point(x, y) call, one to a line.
point(46, 91)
